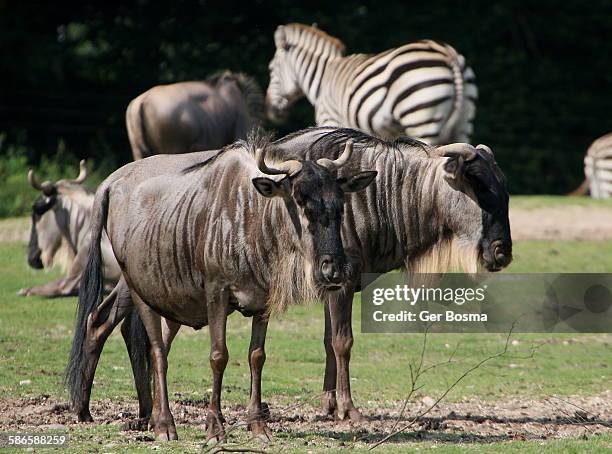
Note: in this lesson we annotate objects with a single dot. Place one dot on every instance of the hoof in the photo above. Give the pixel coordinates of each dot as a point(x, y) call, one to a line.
point(329, 403)
point(352, 415)
point(23, 292)
point(214, 428)
point(167, 433)
point(84, 416)
point(260, 430)
point(164, 428)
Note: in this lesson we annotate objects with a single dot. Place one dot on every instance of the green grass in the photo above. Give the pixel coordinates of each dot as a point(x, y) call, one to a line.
point(531, 202)
point(35, 337)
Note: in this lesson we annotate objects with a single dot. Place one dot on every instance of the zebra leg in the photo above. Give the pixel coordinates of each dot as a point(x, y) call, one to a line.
point(329, 380)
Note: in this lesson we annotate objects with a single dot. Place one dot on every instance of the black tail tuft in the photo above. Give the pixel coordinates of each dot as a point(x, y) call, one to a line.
point(90, 297)
point(138, 345)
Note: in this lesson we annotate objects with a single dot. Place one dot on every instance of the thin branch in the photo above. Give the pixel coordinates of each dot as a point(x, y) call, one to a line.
point(450, 388)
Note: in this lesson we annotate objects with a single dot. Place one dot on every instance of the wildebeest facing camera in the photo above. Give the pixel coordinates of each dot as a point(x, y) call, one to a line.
point(252, 157)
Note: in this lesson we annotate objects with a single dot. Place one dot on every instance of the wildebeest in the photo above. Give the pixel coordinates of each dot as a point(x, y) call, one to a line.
point(193, 116)
point(59, 234)
point(431, 209)
point(201, 234)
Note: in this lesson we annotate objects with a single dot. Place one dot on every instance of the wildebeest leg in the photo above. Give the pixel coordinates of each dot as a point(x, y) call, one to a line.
point(161, 416)
point(169, 332)
point(340, 310)
point(217, 319)
point(66, 286)
point(257, 358)
point(58, 288)
point(329, 380)
point(100, 324)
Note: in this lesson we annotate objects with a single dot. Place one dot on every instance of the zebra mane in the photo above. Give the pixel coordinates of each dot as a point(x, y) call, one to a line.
point(295, 30)
point(248, 86)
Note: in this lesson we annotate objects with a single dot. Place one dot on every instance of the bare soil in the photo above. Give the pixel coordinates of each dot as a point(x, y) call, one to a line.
point(467, 421)
point(551, 223)
point(561, 223)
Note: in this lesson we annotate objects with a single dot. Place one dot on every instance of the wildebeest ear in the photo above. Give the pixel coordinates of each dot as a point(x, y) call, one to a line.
point(279, 37)
point(268, 187)
point(358, 181)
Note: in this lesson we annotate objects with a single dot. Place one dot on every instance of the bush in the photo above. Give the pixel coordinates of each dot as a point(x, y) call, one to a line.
point(17, 196)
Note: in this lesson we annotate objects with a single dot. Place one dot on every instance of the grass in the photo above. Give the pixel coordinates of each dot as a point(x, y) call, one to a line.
point(35, 337)
point(530, 202)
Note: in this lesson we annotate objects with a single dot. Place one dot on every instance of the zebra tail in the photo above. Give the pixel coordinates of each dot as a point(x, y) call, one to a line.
point(453, 121)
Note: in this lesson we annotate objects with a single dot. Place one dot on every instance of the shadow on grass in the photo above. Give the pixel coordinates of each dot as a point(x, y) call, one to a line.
point(432, 429)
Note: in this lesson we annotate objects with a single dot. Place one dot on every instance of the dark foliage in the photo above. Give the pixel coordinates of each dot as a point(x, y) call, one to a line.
point(543, 68)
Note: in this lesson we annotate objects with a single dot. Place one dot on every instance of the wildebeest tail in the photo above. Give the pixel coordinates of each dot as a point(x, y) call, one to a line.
point(138, 345)
point(90, 297)
point(134, 122)
point(454, 119)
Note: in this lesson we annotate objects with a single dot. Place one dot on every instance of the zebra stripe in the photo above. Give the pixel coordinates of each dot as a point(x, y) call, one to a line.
point(598, 167)
point(423, 89)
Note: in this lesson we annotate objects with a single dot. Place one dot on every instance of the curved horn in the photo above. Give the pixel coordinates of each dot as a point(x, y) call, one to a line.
point(46, 186)
point(464, 149)
point(291, 167)
point(485, 148)
point(342, 159)
point(82, 173)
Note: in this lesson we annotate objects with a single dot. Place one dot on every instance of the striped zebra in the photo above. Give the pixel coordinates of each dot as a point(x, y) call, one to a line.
point(423, 89)
point(598, 169)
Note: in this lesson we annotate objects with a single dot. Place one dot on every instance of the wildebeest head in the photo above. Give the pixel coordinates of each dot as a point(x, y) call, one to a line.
point(46, 233)
point(477, 212)
point(319, 197)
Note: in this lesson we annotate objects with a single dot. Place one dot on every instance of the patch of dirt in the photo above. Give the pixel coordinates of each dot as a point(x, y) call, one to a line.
point(561, 223)
point(552, 223)
point(470, 421)
point(14, 229)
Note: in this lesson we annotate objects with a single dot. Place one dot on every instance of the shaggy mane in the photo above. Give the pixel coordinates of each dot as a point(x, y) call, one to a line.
point(291, 283)
point(249, 87)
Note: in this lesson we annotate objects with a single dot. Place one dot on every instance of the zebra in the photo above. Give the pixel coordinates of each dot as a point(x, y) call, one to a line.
point(423, 90)
point(597, 169)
